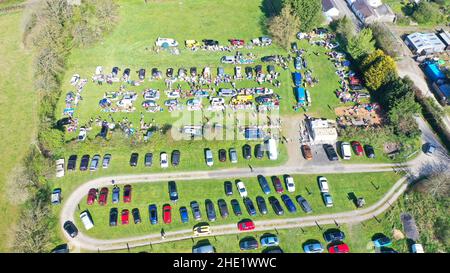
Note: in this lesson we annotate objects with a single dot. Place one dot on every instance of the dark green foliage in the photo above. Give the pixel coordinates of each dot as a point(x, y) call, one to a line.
point(427, 13)
point(309, 12)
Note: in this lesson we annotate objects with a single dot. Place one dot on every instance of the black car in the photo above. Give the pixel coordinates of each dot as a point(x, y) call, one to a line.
point(169, 72)
point(267, 59)
point(141, 74)
point(248, 244)
point(136, 215)
point(259, 153)
point(134, 159)
point(175, 158)
point(271, 69)
point(333, 235)
point(250, 207)
point(370, 152)
point(71, 229)
point(210, 212)
point(228, 187)
point(209, 42)
point(72, 162)
point(193, 71)
point(223, 208)
point(222, 155)
point(331, 152)
point(249, 72)
point(126, 73)
point(84, 163)
point(156, 73)
point(306, 207)
point(173, 194)
point(113, 217)
point(356, 87)
point(294, 46)
point(104, 130)
point(63, 122)
point(247, 151)
point(258, 69)
point(148, 160)
point(264, 184)
point(196, 210)
point(261, 205)
point(115, 71)
point(236, 207)
point(277, 208)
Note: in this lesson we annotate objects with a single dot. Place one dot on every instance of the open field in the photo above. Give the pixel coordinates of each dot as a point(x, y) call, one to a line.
point(18, 104)
point(306, 185)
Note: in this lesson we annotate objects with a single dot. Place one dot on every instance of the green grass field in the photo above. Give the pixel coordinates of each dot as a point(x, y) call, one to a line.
point(157, 193)
point(18, 104)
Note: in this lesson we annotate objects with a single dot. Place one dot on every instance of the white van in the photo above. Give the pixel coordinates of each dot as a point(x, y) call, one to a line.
point(86, 219)
point(346, 150)
point(417, 248)
point(271, 145)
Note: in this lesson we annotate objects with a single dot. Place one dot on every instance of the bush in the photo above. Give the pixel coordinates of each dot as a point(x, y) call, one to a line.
point(284, 26)
point(427, 13)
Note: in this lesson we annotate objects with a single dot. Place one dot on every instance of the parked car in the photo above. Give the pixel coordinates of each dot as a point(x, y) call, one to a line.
point(86, 219)
point(334, 235)
point(92, 195)
point(331, 152)
point(60, 167)
point(261, 203)
point(241, 188)
point(339, 248)
point(209, 157)
point(103, 197)
point(82, 134)
point(173, 193)
point(236, 207)
point(222, 155)
point(277, 208)
point(148, 160)
point(315, 247)
point(184, 215)
point(164, 161)
point(72, 163)
point(306, 151)
point(84, 162)
point(113, 215)
point(176, 158)
point(228, 59)
point(210, 211)
point(127, 194)
point(269, 240)
point(223, 208)
point(228, 187)
point(259, 153)
point(247, 151)
point(71, 229)
point(263, 184)
point(167, 214)
point(277, 184)
point(196, 210)
point(153, 213)
point(357, 148)
point(141, 74)
point(267, 59)
point(136, 215)
point(233, 156)
point(134, 159)
point(246, 224)
point(288, 203)
point(382, 242)
point(104, 130)
point(250, 207)
point(370, 152)
point(289, 181)
point(94, 163)
point(327, 199)
point(323, 184)
point(429, 148)
point(346, 151)
point(210, 42)
point(106, 160)
point(125, 215)
point(203, 248)
point(202, 230)
point(115, 195)
point(306, 207)
point(248, 244)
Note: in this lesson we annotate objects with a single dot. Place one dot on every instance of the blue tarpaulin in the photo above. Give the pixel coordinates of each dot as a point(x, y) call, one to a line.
point(300, 95)
point(433, 72)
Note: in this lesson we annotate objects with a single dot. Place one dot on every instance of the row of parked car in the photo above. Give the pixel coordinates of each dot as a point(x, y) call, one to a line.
point(345, 148)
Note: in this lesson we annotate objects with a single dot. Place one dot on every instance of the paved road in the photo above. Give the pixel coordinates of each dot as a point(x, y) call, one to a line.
point(415, 167)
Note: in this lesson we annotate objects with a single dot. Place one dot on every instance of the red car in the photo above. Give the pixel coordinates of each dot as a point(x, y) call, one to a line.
point(237, 42)
point(92, 195)
point(102, 200)
point(167, 214)
point(277, 184)
point(127, 194)
point(125, 216)
point(357, 148)
point(340, 248)
point(246, 225)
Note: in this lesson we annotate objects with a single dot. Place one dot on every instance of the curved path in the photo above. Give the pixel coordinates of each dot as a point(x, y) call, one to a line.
point(85, 242)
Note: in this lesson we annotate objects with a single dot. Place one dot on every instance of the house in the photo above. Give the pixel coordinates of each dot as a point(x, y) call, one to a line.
point(321, 131)
point(424, 43)
point(445, 37)
point(330, 10)
point(370, 11)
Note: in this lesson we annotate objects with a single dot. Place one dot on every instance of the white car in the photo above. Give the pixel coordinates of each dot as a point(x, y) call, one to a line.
point(209, 157)
point(82, 134)
point(228, 59)
point(241, 188)
point(290, 185)
point(60, 167)
point(99, 70)
point(86, 220)
point(323, 184)
point(74, 80)
point(169, 41)
point(238, 71)
point(346, 150)
point(164, 160)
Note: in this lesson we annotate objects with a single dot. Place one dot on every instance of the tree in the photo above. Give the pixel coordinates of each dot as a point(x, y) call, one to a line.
point(345, 29)
point(284, 26)
point(385, 40)
point(376, 69)
point(309, 12)
point(427, 13)
point(401, 117)
point(360, 45)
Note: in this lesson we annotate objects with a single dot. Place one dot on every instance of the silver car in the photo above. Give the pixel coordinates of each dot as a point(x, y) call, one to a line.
point(233, 156)
point(106, 160)
point(94, 163)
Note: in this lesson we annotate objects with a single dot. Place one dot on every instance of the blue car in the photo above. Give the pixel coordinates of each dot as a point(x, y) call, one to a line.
point(152, 210)
point(382, 242)
point(250, 207)
point(269, 240)
point(115, 195)
point(288, 202)
point(263, 183)
point(184, 215)
point(313, 248)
